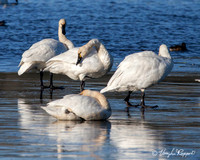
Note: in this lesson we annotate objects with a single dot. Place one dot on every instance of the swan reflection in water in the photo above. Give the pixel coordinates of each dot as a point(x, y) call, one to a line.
point(85, 139)
point(70, 138)
point(135, 140)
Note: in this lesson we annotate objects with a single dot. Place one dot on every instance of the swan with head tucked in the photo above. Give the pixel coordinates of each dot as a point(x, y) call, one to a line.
point(139, 71)
point(37, 55)
point(88, 105)
point(89, 61)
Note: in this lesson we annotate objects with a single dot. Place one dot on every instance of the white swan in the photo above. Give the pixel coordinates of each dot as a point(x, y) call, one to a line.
point(139, 71)
point(94, 59)
point(197, 80)
point(42, 51)
point(88, 105)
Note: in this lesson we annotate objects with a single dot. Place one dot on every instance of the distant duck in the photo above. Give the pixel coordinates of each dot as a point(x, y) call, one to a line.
point(89, 61)
point(181, 47)
point(88, 105)
point(139, 71)
point(2, 23)
point(5, 2)
point(37, 55)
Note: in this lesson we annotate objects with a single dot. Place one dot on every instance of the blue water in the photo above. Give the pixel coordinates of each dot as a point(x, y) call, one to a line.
point(124, 27)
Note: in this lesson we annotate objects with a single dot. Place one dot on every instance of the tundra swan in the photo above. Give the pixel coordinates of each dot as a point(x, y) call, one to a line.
point(88, 105)
point(89, 61)
point(42, 51)
point(139, 71)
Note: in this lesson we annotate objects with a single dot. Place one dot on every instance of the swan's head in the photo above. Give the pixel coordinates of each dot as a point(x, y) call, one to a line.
point(62, 24)
point(82, 52)
point(163, 51)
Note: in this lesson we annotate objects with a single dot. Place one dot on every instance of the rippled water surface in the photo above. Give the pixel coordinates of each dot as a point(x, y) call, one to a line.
point(169, 132)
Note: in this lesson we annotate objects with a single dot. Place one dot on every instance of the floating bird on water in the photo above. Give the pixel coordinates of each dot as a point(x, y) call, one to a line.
point(37, 55)
point(89, 61)
point(2, 23)
point(5, 3)
point(139, 71)
point(181, 47)
point(88, 105)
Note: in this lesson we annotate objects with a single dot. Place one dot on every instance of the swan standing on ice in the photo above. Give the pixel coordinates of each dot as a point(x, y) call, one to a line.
point(88, 105)
point(40, 52)
point(139, 71)
point(89, 61)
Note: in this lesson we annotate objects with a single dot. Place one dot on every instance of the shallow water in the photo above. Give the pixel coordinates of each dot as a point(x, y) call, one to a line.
point(169, 132)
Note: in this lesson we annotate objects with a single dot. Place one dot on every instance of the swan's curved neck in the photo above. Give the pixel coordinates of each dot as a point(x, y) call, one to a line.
point(99, 97)
point(63, 38)
point(103, 54)
point(163, 51)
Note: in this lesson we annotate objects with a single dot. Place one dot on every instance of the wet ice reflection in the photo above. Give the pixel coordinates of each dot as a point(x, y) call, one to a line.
point(84, 139)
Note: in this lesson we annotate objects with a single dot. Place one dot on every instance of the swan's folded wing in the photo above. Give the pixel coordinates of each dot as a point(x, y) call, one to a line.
point(69, 56)
point(83, 106)
point(43, 50)
point(137, 71)
point(60, 109)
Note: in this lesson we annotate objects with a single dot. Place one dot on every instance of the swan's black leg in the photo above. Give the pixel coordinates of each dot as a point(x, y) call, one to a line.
point(41, 95)
point(82, 86)
point(143, 103)
point(128, 103)
point(127, 99)
point(51, 86)
point(41, 80)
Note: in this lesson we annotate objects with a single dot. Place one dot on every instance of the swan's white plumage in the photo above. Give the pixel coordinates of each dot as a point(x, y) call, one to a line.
point(40, 52)
point(95, 64)
point(198, 80)
point(140, 70)
point(77, 107)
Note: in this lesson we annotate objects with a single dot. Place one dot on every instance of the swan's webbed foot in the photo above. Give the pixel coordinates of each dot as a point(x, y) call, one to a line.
point(54, 87)
point(42, 87)
point(144, 106)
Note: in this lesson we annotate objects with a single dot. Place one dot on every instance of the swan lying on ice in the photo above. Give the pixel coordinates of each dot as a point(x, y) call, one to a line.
point(88, 105)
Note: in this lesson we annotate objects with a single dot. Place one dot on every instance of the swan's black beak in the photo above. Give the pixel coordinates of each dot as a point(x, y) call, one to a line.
point(79, 59)
point(63, 29)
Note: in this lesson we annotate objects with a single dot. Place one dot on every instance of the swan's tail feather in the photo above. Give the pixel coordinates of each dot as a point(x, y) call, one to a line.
point(54, 67)
point(104, 90)
point(25, 67)
point(50, 110)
